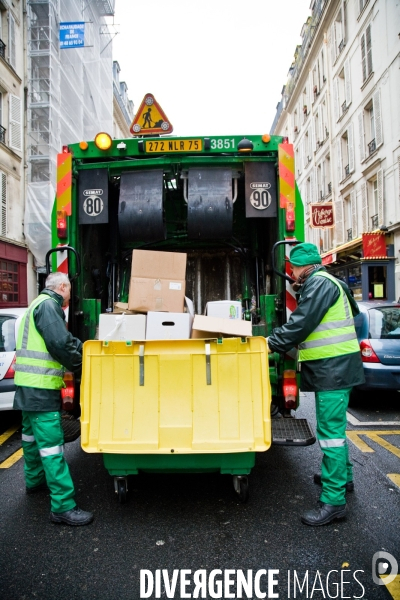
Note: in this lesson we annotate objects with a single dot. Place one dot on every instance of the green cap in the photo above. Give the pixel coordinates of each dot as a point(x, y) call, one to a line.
point(305, 254)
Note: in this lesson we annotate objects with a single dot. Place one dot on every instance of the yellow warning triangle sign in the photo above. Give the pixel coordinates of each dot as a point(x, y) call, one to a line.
point(150, 119)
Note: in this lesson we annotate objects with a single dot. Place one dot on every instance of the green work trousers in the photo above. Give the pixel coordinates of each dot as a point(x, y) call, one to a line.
point(43, 446)
point(336, 469)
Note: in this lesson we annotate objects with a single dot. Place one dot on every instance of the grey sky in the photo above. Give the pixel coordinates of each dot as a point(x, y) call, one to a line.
point(216, 67)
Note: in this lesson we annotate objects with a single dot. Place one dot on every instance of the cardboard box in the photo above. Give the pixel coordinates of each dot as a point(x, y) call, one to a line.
point(224, 309)
point(170, 326)
point(157, 281)
point(122, 307)
point(213, 327)
point(122, 327)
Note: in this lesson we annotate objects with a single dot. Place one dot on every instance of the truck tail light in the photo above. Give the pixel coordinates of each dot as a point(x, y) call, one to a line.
point(367, 353)
point(62, 228)
point(68, 392)
point(10, 373)
point(290, 389)
point(290, 219)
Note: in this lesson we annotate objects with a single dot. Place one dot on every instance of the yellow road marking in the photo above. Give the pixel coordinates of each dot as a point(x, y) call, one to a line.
point(377, 438)
point(12, 459)
point(357, 441)
point(4, 436)
point(395, 477)
point(394, 587)
point(354, 436)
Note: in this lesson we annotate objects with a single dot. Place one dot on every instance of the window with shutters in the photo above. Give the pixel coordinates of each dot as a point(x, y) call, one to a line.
point(366, 53)
point(2, 44)
point(295, 123)
point(318, 138)
point(3, 192)
point(2, 129)
point(344, 166)
point(320, 193)
point(323, 117)
point(11, 41)
point(373, 203)
point(15, 133)
point(338, 33)
point(347, 217)
point(326, 172)
point(370, 127)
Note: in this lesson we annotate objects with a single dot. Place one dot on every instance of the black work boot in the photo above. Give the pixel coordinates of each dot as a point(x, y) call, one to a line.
point(42, 487)
point(323, 515)
point(349, 485)
point(76, 516)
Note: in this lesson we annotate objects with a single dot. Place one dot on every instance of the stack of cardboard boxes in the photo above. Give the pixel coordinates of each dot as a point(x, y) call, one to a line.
point(157, 301)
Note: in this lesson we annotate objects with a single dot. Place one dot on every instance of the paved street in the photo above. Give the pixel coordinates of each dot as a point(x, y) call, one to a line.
point(195, 522)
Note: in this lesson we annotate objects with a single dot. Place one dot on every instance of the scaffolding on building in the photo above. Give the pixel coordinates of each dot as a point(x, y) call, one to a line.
point(70, 98)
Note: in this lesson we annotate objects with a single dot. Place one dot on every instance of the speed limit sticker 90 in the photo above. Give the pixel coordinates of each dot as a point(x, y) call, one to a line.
point(93, 205)
point(260, 198)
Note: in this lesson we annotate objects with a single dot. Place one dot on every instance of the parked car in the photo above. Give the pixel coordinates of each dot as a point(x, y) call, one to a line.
point(378, 333)
point(9, 320)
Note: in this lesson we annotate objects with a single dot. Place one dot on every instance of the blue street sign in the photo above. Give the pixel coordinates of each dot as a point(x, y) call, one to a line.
point(72, 35)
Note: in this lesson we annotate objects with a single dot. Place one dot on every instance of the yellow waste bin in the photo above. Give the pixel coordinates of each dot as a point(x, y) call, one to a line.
point(176, 405)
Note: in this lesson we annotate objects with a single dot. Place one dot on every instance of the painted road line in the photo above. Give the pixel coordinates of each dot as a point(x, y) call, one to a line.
point(4, 436)
point(377, 438)
point(12, 459)
point(395, 477)
point(393, 587)
point(354, 421)
point(357, 441)
point(374, 436)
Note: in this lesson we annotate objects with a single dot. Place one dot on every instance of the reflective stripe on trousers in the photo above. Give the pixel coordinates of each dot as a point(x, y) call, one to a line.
point(51, 451)
point(333, 443)
point(27, 438)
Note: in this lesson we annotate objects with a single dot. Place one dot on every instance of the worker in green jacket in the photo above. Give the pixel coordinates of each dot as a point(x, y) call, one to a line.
point(45, 348)
point(322, 327)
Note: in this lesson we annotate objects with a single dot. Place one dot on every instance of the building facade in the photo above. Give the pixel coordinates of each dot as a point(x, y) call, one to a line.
point(70, 98)
point(340, 109)
point(15, 266)
point(122, 106)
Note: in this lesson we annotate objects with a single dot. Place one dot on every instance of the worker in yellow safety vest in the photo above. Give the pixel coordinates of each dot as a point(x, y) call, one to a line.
point(45, 348)
point(322, 327)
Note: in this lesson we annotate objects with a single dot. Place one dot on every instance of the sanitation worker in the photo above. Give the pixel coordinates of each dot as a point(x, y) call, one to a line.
point(45, 348)
point(322, 327)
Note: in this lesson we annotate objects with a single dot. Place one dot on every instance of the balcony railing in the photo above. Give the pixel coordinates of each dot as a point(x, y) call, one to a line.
point(341, 46)
point(344, 107)
point(349, 235)
point(374, 221)
point(372, 146)
point(2, 49)
point(2, 135)
point(347, 170)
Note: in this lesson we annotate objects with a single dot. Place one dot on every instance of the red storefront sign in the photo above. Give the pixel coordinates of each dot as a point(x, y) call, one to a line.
point(374, 245)
point(322, 216)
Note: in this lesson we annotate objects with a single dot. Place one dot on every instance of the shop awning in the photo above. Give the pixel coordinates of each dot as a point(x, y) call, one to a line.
point(331, 256)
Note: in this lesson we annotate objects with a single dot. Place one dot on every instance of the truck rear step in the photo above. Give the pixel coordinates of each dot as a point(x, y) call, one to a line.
point(292, 432)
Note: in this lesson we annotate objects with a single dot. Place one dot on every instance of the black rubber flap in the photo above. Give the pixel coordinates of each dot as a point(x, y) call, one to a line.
point(210, 208)
point(71, 428)
point(292, 432)
point(141, 210)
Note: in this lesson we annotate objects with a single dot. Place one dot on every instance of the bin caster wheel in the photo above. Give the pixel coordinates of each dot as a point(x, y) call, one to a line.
point(121, 489)
point(241, 486)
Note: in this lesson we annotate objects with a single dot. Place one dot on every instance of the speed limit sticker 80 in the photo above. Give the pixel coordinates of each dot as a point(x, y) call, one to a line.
point(93, 205)
point(260, 198)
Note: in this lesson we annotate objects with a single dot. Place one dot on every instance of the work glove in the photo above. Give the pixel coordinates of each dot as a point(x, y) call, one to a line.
point(269, 349)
